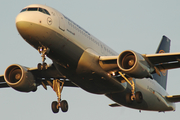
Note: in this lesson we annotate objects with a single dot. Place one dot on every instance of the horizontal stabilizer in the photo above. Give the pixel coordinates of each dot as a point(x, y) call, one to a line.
point(115, 105)
point(174, 98)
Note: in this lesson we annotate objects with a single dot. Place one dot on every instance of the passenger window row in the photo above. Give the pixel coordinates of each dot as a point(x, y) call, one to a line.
point(89, 37)
point(36, 9)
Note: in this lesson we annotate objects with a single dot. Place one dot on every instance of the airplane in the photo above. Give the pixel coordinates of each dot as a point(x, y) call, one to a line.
point(80, 60)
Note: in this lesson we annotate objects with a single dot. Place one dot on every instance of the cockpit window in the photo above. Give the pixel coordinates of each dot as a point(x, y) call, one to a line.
point(32, 9)
point(36, 9)
point(44, 11)
point(23, 9)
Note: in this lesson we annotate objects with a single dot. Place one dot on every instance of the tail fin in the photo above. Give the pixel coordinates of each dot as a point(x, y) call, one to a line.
point(164, 47)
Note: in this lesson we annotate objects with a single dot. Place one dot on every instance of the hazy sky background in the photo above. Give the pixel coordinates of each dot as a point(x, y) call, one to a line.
point(137, 25)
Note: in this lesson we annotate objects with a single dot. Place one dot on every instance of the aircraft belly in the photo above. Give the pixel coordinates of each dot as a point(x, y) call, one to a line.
point(152, 100)
point(67, 57)
point(90, 76)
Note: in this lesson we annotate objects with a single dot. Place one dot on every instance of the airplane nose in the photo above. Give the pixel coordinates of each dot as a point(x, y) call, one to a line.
point(21, 23)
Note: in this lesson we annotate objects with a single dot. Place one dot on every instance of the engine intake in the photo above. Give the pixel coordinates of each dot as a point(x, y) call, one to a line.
point(133, 64)
point(19, 78)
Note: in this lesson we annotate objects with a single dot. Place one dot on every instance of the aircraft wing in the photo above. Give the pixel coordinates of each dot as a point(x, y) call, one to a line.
point(173, 98)
point(42, 77)
point(3, 84)
point(162, 61)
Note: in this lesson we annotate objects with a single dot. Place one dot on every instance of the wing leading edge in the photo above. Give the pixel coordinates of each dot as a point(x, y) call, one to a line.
point(159, 61)
point(173, 98)
point(42, 77)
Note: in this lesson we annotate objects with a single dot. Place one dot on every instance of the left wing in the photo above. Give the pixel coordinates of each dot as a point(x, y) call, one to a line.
point(163, 61)
point(173, 98)
point(142, 65)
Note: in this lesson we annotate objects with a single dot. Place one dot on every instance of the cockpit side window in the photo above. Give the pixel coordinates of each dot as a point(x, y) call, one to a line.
point(23, 9)
point(44, 11)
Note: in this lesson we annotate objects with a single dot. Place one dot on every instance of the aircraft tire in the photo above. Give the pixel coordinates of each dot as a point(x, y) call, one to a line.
point(139, 97)
point(128, 98)
point(44, 66)
point(39, 66)
point(54, 107)
point(64, 106)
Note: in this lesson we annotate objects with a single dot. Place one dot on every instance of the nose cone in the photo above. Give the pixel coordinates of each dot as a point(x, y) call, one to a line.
point(21, 23)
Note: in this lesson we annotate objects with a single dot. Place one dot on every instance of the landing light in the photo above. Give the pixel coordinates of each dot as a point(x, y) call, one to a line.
point(113, 73)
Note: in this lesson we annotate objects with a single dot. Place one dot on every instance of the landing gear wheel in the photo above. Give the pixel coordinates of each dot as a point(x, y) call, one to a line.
point(44, 66)
point(64, 106)
point(57, 87)
point(44, 51)
point(39, 66)
point(139, 97)
point(55, 107)
point(128, 98)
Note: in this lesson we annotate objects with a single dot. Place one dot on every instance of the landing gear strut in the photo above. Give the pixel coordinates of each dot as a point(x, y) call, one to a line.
point(130, 97)
point(44, 51)
point(57, 87)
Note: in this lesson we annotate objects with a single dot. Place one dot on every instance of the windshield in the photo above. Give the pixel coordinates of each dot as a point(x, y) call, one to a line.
point(42, 10)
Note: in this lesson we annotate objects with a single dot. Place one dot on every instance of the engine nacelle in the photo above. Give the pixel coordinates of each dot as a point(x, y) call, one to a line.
point(133, 64)
point(19, 78)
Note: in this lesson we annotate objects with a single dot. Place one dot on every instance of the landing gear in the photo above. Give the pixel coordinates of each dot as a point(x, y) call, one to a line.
point(44, 51)
point(55, 107)
point(130, 97)
point(57, 87)
point(139, 97)
point(63, 105)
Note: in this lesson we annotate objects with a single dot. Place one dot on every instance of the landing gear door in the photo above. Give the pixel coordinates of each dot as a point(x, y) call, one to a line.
point(61, 23)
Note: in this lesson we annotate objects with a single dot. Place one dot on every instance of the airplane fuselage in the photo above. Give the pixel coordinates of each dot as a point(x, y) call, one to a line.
point(71, 49)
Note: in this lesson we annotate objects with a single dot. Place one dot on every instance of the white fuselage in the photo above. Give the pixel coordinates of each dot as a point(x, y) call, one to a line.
point(68, 42)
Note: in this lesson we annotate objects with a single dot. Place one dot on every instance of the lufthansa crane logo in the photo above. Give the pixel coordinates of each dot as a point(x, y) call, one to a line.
point(161, 51)
point(163, 71)
point(49, 21)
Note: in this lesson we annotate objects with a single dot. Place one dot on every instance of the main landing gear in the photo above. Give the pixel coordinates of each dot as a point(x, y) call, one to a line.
point(44, 51)
point(130, 97)
point(57, 87)
point(57, 84)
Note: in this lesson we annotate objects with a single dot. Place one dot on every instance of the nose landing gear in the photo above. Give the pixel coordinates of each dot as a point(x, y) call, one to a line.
point(57, 87)
point(44, 51)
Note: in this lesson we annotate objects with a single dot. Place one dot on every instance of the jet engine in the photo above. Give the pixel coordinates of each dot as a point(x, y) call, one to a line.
point(133, 64)
point(19, 78)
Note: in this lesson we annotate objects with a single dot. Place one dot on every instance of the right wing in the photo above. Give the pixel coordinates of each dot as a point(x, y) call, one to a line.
point(3, 84)
point(42, 77)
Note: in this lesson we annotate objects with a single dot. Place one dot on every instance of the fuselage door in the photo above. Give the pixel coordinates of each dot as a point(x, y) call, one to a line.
point(61, 23)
